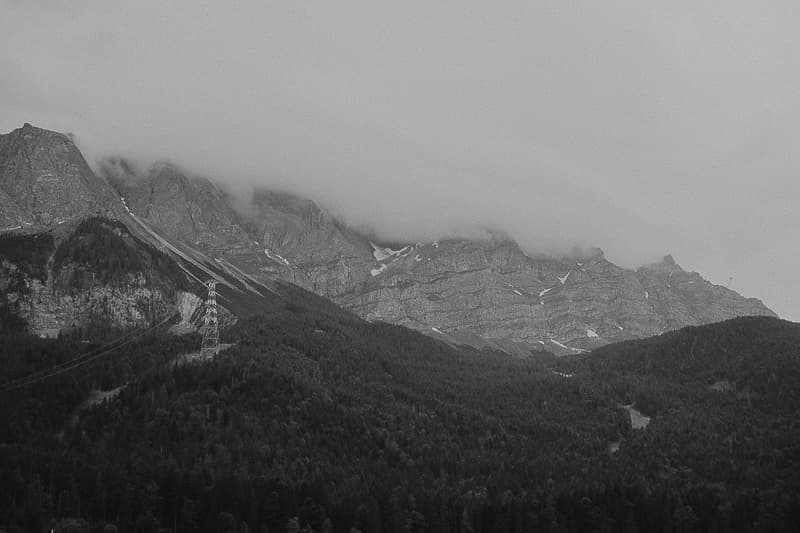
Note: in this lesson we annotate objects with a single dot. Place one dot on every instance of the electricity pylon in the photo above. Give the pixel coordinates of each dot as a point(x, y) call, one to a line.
point(210, 346)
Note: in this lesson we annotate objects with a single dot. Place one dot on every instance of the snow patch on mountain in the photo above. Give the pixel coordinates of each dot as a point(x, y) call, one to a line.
point(382, 254)
point(576, 350)
point(276, 257)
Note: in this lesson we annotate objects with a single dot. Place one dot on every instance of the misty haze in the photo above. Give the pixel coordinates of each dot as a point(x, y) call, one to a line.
point(371, 267)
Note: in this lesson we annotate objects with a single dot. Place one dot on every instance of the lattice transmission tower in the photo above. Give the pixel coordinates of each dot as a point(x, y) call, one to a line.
point(210, 345)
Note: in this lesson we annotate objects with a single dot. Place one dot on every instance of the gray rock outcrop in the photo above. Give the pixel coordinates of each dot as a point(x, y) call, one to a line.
point(488, 288)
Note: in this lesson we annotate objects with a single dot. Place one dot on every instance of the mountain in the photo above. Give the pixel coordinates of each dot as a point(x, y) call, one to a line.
point(459, 290)
point(481, 292)
point(317, 419)
point(109, 274)
point(45, 181)
point(92, 273)
point(74, 255)
point(197, 212)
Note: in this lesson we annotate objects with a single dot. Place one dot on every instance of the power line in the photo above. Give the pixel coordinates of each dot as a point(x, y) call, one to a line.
point(76, 360)
point(76, 363)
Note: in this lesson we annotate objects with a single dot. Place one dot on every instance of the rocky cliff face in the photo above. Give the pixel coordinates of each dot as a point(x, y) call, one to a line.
point(45, 181)
point(564, 305)
point(194, 211)
point(94, 273)
point(461, 289)
point(303, 242)
point(189, 209)
point(63, 266)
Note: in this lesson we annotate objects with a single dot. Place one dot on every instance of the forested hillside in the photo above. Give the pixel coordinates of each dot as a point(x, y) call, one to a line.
point(104, 250)
point(91, 272)
point(323, 422)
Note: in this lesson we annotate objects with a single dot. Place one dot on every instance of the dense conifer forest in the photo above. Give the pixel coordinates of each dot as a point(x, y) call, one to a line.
point(322, 422)
point(103, 250)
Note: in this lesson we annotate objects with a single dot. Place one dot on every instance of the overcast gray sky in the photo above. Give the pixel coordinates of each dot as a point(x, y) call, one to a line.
point(644, 128)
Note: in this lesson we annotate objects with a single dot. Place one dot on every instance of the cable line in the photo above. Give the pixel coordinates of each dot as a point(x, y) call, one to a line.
point(75, 363)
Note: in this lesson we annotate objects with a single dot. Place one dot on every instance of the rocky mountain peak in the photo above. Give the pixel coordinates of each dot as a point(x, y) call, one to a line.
point(668, 260)
point(29, 138)
point(585, 255)
point(29, 131)
point(479, 287)
point(267, 203)
point(180, 205)
point(665, 264)
point(482, 287)
point(45, 181)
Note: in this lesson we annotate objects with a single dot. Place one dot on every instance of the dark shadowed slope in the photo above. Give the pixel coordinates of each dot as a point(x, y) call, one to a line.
point(339, 421)
point(756, 358)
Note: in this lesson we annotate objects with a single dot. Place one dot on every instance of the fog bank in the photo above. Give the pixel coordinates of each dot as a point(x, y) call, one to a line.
point(640, 129)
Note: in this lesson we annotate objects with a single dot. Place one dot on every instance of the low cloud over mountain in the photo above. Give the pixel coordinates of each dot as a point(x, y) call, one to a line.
point(638, 129)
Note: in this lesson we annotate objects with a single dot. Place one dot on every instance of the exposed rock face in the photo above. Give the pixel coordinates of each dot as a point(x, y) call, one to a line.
point(489, 288)
point(304, 242)
point(495, 290)
point(457, 289)
point(685, 298)
point(48, 312)
point(189, 209)
point(45, 181)
point(97, 274)
point(189, 307)
point(194, 211)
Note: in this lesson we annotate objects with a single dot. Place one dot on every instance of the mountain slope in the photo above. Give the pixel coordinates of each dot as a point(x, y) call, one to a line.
point(471, 291)
point(74, 254)
point(753, 359)
point(463, 289)
point(190, 210)
point(101, 272)
point(92, 272)
point(45, 181)
point(343, 423)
